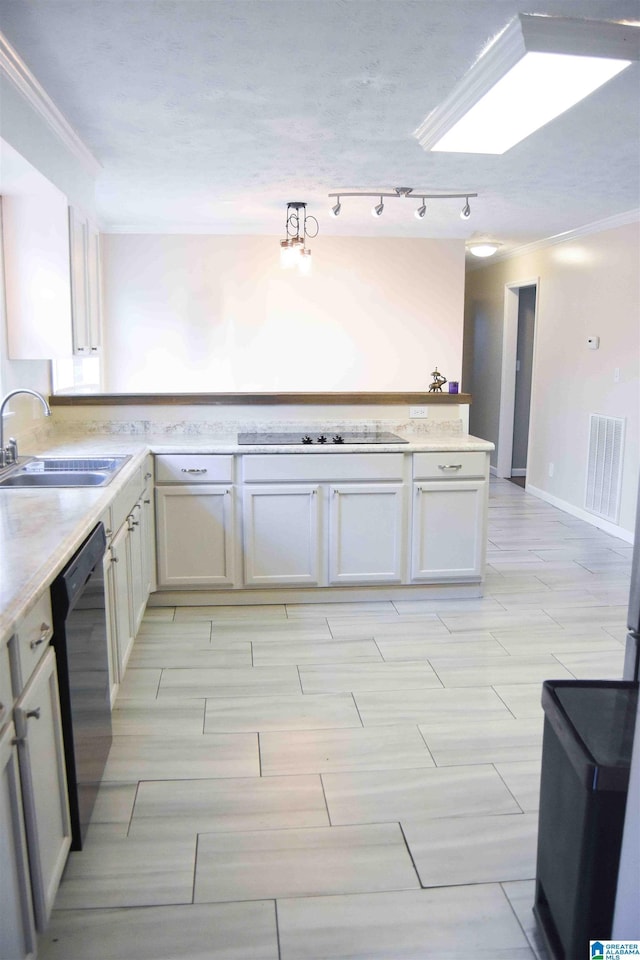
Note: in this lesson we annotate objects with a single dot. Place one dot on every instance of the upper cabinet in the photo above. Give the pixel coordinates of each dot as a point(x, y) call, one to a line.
point(52, 267)
point(84, 246)
point(35, 238)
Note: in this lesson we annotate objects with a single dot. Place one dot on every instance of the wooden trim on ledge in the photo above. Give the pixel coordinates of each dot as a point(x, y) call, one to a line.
point(254, 399)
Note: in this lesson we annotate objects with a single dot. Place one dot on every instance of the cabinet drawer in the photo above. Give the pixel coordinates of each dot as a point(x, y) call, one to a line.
point(194, 468)
point(33, 633)
point(123, 504)
point(317, 467)
point(448, 465)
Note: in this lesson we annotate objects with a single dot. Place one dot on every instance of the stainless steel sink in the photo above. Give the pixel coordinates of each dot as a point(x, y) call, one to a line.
point(64, 472)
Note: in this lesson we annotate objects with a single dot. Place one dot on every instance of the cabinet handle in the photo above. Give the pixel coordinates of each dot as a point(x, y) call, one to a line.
point(146, 501)
point(148, 476)
point(193, 470)
point(44, 635)
point(108, 531)
point(35, 713)
point(114, 559)
point(449, 466)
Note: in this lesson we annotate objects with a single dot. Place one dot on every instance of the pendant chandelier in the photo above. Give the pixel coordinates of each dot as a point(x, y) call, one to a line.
point(293, 249)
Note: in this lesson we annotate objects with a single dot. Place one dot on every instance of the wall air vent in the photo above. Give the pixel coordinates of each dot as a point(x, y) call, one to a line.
point(604, 466)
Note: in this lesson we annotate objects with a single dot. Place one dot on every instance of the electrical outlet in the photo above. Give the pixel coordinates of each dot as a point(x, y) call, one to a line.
point(551, 469)
point(418, 412)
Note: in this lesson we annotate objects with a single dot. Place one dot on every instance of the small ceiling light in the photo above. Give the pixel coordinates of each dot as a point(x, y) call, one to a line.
point(483, 248)
point(538, 67)
point(420, 212)
point(377, 210)
point(293, 249)
point(465, 213)
point(336, 209)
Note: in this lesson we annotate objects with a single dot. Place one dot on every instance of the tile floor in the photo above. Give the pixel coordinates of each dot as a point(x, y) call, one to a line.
point(325, 781)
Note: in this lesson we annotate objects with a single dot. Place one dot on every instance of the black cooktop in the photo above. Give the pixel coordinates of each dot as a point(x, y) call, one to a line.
point(329, 437)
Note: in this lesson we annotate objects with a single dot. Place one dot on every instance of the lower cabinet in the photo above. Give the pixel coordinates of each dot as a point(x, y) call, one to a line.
point(287, 540)
point(449, 529)
point(44, 785)
point(195, 538)
point(281, 534)
point(118, 580)
point(129, 568)
point(17, 931)
point(365, 533)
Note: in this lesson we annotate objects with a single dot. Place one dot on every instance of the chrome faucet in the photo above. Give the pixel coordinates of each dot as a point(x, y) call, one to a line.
point(9, 454)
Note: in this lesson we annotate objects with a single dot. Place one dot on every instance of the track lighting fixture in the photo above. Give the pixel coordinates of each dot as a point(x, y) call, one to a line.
point(399, 193)
point(293, 249)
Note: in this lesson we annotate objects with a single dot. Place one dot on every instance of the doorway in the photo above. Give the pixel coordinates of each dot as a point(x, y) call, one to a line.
point(516, 382)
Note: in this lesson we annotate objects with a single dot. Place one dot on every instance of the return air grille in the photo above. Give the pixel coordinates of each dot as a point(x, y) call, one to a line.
point(604, 466)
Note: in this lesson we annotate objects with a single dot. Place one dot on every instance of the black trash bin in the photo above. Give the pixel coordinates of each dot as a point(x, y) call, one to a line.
point(586, 755)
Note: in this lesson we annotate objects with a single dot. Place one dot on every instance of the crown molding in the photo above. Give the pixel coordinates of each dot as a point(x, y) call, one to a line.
point(597, 226)
point(15, 70)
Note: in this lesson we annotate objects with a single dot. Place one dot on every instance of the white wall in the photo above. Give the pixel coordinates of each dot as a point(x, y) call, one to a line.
point(587, 287)
point(208, 313)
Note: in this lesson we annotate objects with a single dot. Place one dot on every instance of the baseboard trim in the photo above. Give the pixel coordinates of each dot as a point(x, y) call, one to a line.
point(564, 505)
point(196, 598)
point(518, 471)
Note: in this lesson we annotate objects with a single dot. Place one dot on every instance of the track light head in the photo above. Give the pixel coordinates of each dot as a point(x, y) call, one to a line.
point(421, 211)
point(377, 210)
point(465, 213)
point(336, 209)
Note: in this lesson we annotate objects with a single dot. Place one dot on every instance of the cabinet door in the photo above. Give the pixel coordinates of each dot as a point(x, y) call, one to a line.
point(121, 606)
point(195, 535)
point(44, 784)
point(148, 535)
point(135, 566)
point(17, 932)
point(35, 235)
point(281, 534)
point(78, 260)
point(84, 247)
point(94, 298)
point(365, 530)
point(449, 529)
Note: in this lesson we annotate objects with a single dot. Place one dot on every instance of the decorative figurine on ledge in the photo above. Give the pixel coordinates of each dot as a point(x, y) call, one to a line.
point(438, 380)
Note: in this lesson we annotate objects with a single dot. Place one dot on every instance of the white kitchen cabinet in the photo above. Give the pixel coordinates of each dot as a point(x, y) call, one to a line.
point(281, 534)
point(148, 537)
point(17, 930)
point(119, 586)
point(366, 533)
point(195, 539)
point(84, 247)
point(44, 784)
point(128, 566)
point(35, 242)
point(448, 529)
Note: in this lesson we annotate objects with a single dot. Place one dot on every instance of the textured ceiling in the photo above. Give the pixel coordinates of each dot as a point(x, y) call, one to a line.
point(209, 115)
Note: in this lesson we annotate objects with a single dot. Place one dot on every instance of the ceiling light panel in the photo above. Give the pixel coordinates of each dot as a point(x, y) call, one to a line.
point(537, 68)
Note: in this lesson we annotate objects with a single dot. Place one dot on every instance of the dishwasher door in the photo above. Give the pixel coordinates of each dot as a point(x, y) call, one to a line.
point(81, 646)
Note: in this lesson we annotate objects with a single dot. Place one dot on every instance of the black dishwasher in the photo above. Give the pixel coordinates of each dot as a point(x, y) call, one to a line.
point(81, 646)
